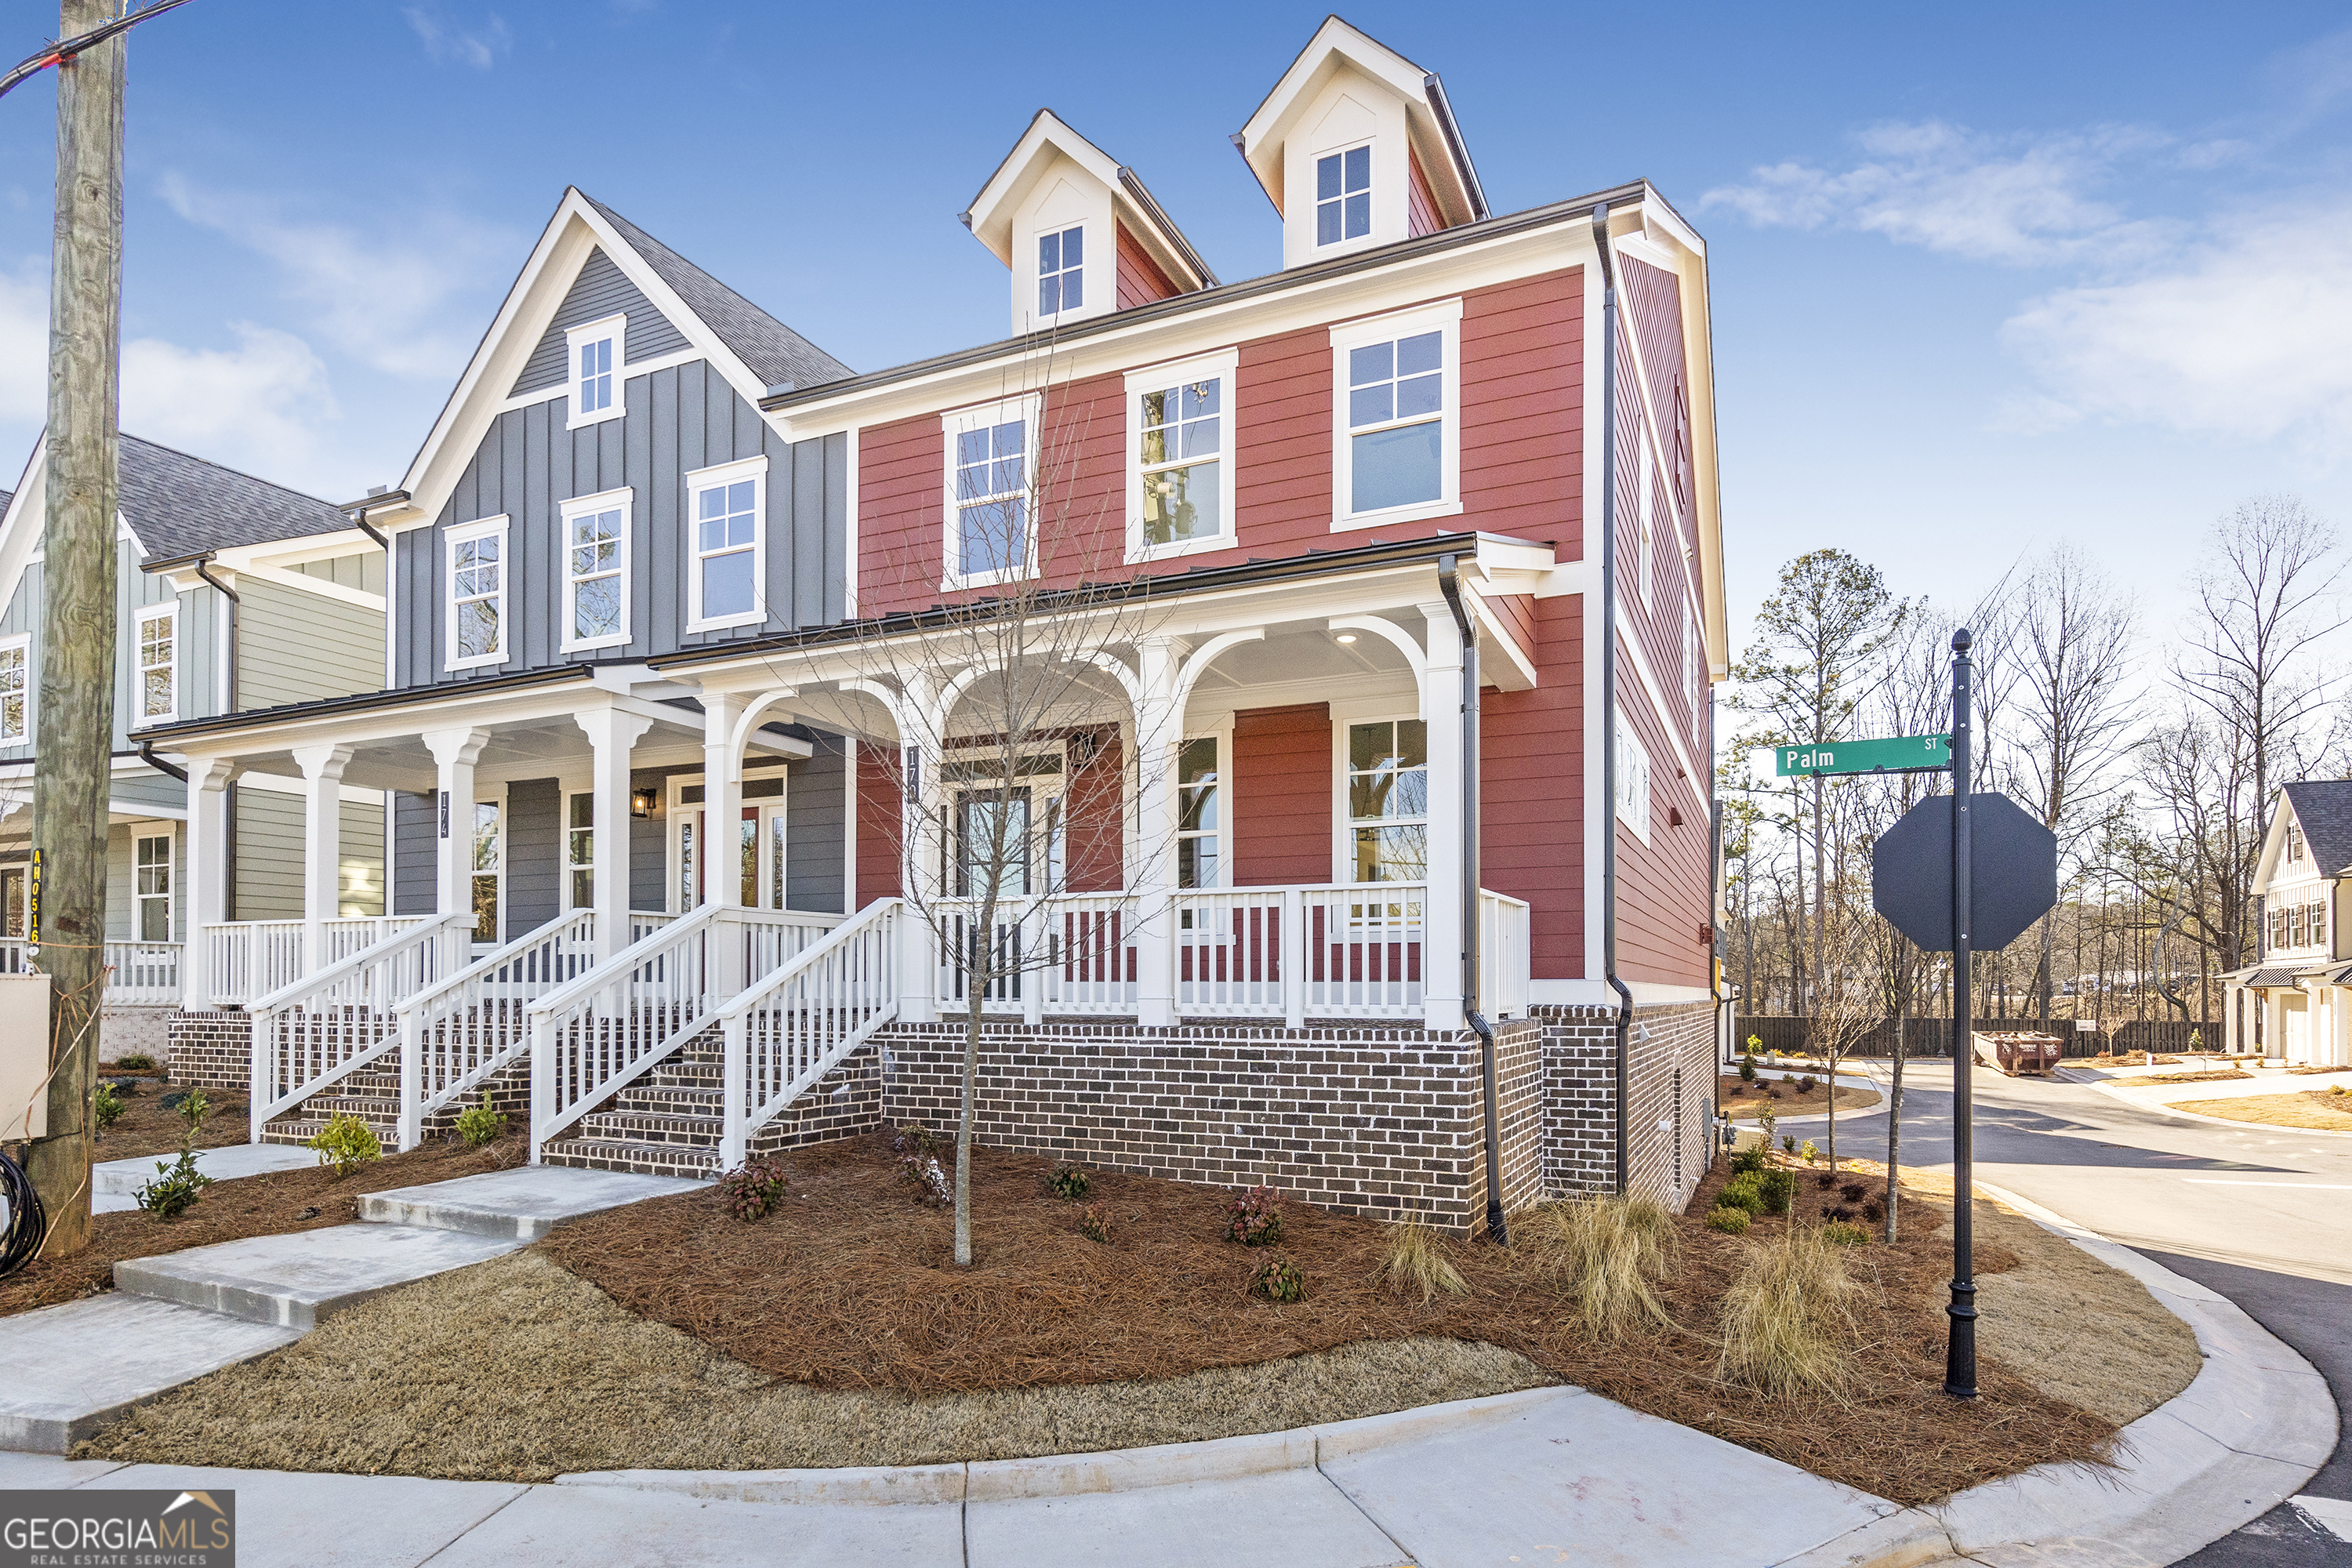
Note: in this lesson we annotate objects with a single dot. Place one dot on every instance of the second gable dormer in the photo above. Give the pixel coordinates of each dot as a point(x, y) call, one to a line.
point(1079, 232)
point(1357, 147)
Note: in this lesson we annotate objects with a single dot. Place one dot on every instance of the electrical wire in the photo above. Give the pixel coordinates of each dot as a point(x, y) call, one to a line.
point(28, 1224)
point(59, 53)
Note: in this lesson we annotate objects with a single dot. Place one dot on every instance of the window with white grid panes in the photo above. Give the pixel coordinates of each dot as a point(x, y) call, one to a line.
point(1343, 196)
point(1182, 439)
point(16, 690)
point(1388, 800)
point(1396, 412)
point(488, 866)
point(159, 663)
point(1200, 815)
point(477, 593)
point(580, 849)
point(990, 452)
point(1061, 271)
point(594, 350)
point(152, 888)
point(727, 549)
point(596, 571)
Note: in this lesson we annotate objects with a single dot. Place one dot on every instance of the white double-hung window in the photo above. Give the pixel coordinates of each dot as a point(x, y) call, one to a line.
point(992, 462)
point(159, 663)
point(1396, 393)
point(16, 689)
point(1343, 196)
point(726, 511)
point(1180, 456)
point(596, 570)
point(1633, 781)
point(477, 593)
point(1061, 271)
point(596, 353)
point(152, 888)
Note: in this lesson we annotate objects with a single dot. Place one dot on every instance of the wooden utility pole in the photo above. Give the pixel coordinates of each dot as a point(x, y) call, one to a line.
point(74, 721)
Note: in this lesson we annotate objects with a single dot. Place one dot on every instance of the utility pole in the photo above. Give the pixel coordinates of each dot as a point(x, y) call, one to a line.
point(74, 721)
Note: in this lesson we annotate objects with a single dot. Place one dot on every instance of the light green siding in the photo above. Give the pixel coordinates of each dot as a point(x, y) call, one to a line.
point(294, 646)
point(269, 856)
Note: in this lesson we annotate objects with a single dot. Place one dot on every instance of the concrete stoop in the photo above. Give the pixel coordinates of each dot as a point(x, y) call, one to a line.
point(65, 1371)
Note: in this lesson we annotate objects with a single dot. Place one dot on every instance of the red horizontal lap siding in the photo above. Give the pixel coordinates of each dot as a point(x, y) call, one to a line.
point(1419, 205)
point(1094, 844)
point(1281, 796)
point(1663, 887)
point(1140, 280)
point(878, 828)
point(1517, 613)
point(1521, 440)
point(1531, 790)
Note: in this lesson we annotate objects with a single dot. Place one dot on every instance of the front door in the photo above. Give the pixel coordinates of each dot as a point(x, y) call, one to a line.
point(757, 857)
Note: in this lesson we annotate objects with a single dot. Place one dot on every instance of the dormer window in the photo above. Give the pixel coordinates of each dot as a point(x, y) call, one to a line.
point(1061, 271)
point(596, 377)
point(1343, 196)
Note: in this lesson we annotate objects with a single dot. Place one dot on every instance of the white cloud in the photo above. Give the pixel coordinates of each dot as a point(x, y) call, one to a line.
point(2021, 202)
point(2248, 337)
point(262, 407)
point(381, 297)
point(479, 45)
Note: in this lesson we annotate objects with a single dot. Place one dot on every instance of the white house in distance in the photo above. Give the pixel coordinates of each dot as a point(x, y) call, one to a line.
point(2296, 1001)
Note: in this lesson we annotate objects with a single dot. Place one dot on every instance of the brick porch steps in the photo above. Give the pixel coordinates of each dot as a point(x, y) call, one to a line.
point(666, 1123)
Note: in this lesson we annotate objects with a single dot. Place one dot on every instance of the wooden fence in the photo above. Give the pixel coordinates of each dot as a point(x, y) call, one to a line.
point(1932, 1036)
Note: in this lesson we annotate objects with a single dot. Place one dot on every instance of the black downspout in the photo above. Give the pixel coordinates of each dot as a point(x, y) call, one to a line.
point(147, 754)
point(228, 836)
point(1450, 585)
point(1608, 679)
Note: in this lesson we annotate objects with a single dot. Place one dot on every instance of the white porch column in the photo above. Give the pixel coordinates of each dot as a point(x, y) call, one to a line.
point(455, 753)
point(722, 799)
point(1158, 729)
point(611, 735)
point(2233, 1000)
point(322, 846)
point(208, 871)
point(1443, 918)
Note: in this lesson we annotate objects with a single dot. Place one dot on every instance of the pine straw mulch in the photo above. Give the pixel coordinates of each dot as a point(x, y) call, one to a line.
point(850, 1285)
point(145, 1128)
point(2315, 1109)
point(1743, 1101)
point(270, 1205)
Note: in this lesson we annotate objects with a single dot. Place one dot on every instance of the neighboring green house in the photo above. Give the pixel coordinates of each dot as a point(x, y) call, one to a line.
point(230, 594)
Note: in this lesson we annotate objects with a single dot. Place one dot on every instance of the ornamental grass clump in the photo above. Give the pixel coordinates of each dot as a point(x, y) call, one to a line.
point(1255, 1217)
point(1787, 1326)
point(1414, 1263)
point(753, 1189)
point(1604, 1252)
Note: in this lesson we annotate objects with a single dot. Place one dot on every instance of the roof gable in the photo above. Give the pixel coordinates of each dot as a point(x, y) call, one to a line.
point(1043, 147)
point(601, 289)
point(2322, 809)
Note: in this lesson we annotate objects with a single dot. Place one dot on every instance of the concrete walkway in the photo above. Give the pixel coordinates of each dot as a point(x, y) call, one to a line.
point(65, 1371)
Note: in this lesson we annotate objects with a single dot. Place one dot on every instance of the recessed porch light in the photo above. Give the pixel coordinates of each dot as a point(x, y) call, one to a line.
point(1347, 636)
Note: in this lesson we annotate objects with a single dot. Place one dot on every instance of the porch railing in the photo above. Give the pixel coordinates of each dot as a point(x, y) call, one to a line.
point(1071, 953)
point(786, 1031)
point(312, 1032)
point(139, 974)
point(590, 1038)
point(246, 960)
point(1506, 954)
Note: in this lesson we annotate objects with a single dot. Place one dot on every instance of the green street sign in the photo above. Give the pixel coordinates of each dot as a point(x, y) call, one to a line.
point(1902, 753)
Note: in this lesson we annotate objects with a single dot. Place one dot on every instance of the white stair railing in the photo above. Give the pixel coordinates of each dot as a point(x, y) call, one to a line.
point(590, 1038)
point(788, 1030)
point(312, 1034)
point(458, 1031)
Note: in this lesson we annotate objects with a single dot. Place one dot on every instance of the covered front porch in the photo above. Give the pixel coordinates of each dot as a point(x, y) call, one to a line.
point(2301, 1015)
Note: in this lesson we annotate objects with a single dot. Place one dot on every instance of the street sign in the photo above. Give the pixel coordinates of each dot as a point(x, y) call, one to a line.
point(2012, 872)
point(1902, 753)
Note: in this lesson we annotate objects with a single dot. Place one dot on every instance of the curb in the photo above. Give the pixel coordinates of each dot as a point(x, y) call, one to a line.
point(1077, 1475)
point(2114, 1089)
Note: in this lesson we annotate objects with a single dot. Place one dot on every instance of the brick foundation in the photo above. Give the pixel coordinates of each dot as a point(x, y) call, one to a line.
point(134, 1030)
point(1670, 1073)
point(215, 1049)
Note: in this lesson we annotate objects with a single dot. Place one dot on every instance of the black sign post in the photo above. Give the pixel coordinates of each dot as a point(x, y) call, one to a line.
point(1959, 872)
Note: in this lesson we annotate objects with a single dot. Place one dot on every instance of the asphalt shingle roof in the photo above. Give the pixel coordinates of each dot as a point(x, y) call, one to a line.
point(775, 354)
point(180, 506)
point(2323, 807)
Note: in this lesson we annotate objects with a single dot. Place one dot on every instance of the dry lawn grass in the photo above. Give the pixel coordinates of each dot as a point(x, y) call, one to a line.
point(2220, 1075)
point(2313, 1109)
point(1743, 1101)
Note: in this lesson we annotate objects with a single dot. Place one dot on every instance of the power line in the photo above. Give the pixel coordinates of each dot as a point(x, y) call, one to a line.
point(58, 54)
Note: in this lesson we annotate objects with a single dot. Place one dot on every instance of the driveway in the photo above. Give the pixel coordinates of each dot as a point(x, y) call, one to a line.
point(2262, 1214)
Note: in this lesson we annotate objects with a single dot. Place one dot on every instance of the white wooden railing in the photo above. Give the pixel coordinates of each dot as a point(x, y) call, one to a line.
point(138, 974)
point(1506, 954)
point(1071, 953)
point(314, 1031)
point(246, 960)
point(789, 1029)
point(589, 1038)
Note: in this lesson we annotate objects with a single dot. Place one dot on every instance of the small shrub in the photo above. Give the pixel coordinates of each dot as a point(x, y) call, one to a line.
point(1823, 1178)
point(1780, 1190)
point(1256, 1217)
point(137, 1061)
point(1604, 1252)
point(1748, 1162)
point(1873, 1211)
point(1748, 1068)
point(1745, 1192)
point(1787, 1143)
point(1805, 1084)
point(177, 1184)
point(914, 1138)
point(1069, 1183)
point(1851, 1192)
point(922, 1173)
point(1728, 1220)
point(1415, 1261)
point(1094, 1222)
point(1278, 1279)
point(1841, 1233)
point(346, 1142)
point(1786, 1325)
point(753, 1189)
point(1769, 1120)
point(107, 1106)
point(479, 1124)
point(1807, 1152)
point(192, 1107)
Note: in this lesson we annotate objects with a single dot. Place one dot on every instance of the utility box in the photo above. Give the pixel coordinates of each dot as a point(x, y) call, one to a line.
point(24, 1056)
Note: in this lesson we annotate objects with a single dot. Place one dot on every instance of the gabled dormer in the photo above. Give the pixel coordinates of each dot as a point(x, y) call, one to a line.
point(1079, 232)
point(1358, 147)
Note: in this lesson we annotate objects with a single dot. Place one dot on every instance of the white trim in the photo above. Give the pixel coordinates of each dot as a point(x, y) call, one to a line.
point(22, 734)
point(303, 581)
point(718, 477)
point(849, 544)
point(615, 328)
point(1029, 407)
point(473, 820)
point(1319, 249)
point(1223, 366)
point(566, 868)
point(1222, 734)
point(623, 500)
point(1636, 779)
point(1039, 319)
point(1445, 317)
point(465, 533)
point(139, 666)
point(170, 834)
point(562, 394)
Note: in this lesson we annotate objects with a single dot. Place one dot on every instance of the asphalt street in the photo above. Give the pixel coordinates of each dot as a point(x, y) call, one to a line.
point(2262, 1214)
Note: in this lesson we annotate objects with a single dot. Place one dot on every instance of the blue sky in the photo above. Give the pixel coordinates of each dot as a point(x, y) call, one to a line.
point(1984, 279)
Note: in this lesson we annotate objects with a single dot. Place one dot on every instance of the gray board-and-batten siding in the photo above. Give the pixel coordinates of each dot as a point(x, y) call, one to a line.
point(599, 289)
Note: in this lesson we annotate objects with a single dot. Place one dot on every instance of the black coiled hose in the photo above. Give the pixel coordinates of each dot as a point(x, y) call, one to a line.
point(29, 1223)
